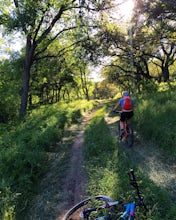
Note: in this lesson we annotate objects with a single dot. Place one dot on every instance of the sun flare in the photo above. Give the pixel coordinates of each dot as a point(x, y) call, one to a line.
point(123, 9)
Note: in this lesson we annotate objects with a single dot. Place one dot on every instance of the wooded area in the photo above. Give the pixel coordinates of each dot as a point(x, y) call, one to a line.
point(64, 38)
point(46, 87)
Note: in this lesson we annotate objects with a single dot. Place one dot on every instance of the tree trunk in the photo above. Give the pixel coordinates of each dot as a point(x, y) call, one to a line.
point(165, 71)
point(26, 76)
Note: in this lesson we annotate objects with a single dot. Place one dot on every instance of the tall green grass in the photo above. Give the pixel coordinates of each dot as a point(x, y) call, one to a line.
point(155, 119)
point(24, 150)
point(107, 166)
point(100, 154)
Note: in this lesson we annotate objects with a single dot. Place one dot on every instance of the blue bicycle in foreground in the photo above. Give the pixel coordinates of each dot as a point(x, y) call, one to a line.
point(104, 208)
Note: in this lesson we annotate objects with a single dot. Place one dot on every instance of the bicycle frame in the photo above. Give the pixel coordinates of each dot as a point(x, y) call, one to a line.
point(129, 211)
point(129, 208)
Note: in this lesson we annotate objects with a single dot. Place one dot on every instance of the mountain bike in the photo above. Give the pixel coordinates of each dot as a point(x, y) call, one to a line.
point(128, 137)
point(102, 207)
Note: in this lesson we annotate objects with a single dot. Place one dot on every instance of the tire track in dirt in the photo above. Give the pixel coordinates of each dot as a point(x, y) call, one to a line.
point(160, 168)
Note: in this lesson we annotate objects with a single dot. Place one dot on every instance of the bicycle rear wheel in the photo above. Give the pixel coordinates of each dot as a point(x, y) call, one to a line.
point(75, 213)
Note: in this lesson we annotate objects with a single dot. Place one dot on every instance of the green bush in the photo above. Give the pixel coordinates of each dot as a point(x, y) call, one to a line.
point(24, 147)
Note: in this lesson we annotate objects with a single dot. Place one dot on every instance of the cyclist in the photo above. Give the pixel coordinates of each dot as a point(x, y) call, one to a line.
point(127, 104)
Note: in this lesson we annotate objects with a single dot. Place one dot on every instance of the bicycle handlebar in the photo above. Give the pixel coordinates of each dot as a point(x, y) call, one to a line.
point(117, 111)
point(129, 208)
point(106, 205)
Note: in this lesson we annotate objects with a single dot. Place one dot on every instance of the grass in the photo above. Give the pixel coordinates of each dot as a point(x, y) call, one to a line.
point(156, 119)
point(25, 147)
point(107, 167)
point(24, 151)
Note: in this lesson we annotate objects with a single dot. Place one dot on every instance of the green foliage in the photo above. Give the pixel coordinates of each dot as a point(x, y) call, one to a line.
point(24, 151)
point(107, 167)
point(148, 86)
point(98, 151)
point(155, 118)
point(10, 73)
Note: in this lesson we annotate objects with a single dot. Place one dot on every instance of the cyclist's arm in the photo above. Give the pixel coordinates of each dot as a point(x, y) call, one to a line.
point(116, 106)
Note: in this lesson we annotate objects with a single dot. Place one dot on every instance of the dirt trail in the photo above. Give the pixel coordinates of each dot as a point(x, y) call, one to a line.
point(52, 202)
point(75, 182)
point(161, 169)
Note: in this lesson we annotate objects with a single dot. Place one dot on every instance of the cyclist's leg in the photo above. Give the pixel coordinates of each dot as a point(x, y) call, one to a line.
point(128, 117)
point(123, 121)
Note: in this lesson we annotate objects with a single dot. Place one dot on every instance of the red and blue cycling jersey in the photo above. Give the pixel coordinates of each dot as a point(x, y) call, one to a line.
point(126, 104)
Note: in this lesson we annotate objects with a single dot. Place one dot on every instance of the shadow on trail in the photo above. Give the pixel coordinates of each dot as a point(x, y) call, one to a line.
point(160, 168)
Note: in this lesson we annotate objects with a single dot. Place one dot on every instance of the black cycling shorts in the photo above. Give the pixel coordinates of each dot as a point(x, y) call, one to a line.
point(126, 115)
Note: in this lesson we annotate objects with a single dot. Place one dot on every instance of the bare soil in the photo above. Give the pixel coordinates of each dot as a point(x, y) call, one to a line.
point(75, 182)
point(159, 168)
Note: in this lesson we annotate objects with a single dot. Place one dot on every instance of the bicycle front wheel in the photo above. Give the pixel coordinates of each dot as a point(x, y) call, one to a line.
point(76, 212)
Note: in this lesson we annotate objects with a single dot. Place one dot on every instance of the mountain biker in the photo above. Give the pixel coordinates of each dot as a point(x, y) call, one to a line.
point(127, 104)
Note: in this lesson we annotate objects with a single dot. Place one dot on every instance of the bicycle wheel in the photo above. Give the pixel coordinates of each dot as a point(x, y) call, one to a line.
point(130, 137)
point(76, 212)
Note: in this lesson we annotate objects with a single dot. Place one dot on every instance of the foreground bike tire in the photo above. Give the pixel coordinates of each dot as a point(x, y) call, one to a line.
point(75, 212)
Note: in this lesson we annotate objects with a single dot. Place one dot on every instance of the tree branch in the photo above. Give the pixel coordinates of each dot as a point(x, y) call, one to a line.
point(53, 22)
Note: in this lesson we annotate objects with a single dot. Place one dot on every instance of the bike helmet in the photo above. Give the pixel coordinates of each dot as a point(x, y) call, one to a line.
point(125, 93)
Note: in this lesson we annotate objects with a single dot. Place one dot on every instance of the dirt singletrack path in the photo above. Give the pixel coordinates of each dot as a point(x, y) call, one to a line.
point(52, 200)
point(75, 182)
point(159, 168)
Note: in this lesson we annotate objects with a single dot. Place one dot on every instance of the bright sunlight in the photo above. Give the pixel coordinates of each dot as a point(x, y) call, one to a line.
point(123, 10)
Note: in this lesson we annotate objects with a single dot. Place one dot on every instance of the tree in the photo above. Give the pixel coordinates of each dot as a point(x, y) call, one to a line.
point(41, 22)
point(149, 44)
point(158, 21)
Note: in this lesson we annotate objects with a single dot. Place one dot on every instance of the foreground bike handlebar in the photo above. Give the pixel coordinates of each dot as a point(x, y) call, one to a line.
point(129, 208)
point(91, 211)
